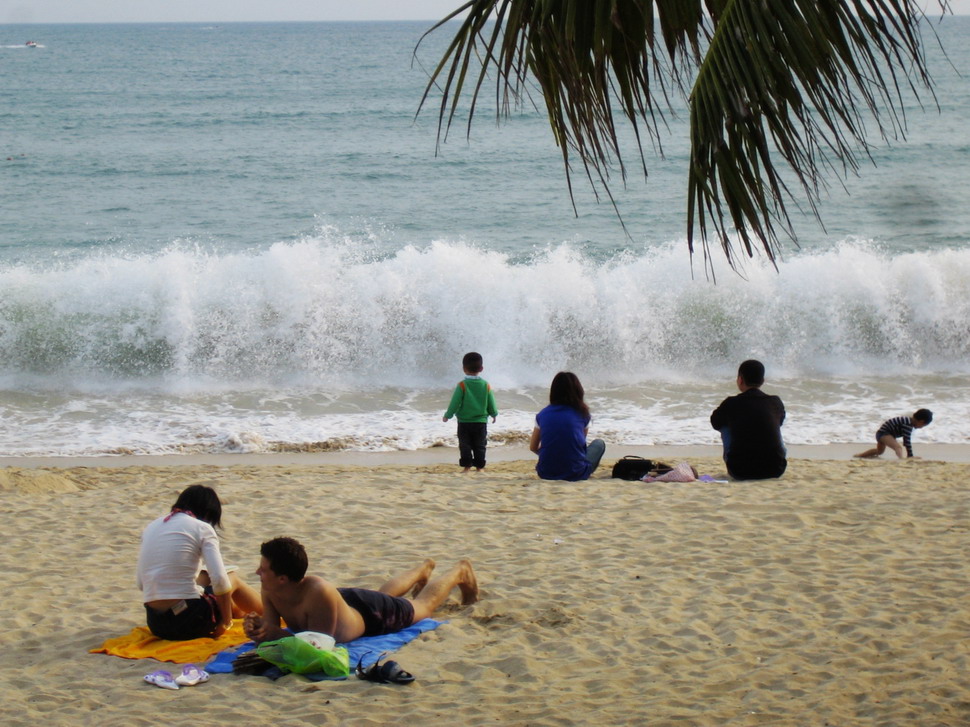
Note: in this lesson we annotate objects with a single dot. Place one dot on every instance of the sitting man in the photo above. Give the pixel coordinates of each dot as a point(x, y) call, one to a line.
point(750, 427)
point(309, 603)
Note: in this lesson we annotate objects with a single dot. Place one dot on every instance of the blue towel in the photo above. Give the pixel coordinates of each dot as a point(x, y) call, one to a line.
point(366, 649)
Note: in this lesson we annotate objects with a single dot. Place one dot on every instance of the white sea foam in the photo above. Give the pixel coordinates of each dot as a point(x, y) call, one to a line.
point(325, 312)
point(325, 343)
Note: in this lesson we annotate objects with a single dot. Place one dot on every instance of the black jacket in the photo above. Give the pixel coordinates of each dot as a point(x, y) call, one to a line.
point(751, 425)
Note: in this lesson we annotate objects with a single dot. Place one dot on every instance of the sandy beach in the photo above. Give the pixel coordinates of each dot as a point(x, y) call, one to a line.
point(834, 596)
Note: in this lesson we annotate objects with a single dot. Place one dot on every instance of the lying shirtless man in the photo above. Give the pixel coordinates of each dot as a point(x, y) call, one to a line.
point(309, 603)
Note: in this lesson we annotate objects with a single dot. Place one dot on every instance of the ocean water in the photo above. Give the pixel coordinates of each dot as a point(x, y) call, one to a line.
point(242, 238)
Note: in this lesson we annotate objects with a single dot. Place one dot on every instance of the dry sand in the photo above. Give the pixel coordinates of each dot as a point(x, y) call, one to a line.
point(837, 595)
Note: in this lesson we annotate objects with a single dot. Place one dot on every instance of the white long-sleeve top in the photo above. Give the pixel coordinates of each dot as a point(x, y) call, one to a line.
point(173, 551)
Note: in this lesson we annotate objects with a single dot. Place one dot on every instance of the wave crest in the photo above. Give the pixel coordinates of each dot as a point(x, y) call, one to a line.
point(333, 314)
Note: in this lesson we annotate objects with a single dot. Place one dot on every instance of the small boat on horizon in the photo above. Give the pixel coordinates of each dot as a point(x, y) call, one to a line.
point(31, 44)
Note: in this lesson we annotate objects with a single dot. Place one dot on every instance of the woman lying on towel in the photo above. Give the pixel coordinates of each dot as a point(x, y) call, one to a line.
point(187, 592)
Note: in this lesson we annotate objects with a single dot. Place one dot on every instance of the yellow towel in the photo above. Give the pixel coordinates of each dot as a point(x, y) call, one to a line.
point(141, 644)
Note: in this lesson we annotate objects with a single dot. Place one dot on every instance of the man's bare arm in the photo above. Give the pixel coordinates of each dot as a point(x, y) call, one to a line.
point(266, 627)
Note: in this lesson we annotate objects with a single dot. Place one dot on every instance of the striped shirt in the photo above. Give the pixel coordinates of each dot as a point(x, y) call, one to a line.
point(898, 427)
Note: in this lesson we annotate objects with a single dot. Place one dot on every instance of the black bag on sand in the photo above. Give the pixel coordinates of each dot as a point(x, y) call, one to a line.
point(632, 467)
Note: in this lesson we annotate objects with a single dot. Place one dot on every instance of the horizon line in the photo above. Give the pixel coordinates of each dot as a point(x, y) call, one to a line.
point(302, 20)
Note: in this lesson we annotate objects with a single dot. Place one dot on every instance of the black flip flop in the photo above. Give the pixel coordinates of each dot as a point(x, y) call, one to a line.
point(390, 672)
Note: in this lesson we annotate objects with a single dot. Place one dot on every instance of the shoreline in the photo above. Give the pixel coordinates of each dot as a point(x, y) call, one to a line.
point(449, 455)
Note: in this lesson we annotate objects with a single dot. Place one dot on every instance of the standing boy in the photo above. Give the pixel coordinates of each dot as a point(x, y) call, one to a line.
point(473, 403)
point(903, 427)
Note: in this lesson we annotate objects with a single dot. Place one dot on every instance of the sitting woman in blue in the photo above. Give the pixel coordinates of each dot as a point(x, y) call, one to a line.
point(559, 437)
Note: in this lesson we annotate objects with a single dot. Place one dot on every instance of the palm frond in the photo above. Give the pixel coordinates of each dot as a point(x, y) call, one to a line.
point(777, 85)
point(791, 84)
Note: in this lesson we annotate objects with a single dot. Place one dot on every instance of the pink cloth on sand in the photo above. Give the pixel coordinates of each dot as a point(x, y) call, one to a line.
point(681, 473)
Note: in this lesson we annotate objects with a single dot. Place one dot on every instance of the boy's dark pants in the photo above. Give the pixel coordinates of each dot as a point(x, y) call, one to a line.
point(471, 444)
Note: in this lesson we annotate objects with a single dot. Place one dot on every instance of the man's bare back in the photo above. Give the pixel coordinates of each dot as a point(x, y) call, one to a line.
point(313, 604)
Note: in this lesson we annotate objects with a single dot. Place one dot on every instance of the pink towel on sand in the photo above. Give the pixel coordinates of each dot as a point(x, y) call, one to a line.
point(681, 473)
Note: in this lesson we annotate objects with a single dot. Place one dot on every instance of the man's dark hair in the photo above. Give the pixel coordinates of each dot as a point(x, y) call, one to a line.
point(924, 415)
point(202, 502)
point(286, 557)
point(472, 362)
point(752, 372)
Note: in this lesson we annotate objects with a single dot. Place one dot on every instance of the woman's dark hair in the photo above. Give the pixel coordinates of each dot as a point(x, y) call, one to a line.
point(202, 502)
point(567, 391)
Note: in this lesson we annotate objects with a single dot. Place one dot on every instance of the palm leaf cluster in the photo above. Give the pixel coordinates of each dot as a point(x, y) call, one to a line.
point(776, 89)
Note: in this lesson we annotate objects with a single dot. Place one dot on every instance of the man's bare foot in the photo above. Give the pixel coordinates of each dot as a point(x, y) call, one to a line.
point(467, 469)
point(467, 584)
point(422, 580)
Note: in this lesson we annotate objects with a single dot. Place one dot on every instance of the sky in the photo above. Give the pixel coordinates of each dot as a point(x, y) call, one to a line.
point(144, 11)
point(170, 11)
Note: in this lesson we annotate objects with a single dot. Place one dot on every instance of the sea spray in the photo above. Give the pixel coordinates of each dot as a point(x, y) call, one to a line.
point(330, 314)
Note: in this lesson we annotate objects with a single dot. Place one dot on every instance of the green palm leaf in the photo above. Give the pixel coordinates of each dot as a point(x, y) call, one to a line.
point(777, 90)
